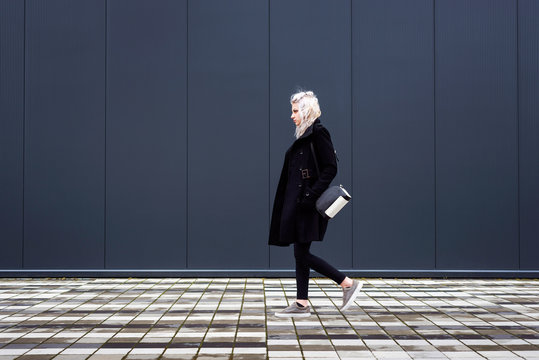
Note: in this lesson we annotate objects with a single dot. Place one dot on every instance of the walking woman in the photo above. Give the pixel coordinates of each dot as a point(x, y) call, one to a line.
point(295, 219)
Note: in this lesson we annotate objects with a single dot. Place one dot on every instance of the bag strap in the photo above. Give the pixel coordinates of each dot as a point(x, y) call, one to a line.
point(315, 160)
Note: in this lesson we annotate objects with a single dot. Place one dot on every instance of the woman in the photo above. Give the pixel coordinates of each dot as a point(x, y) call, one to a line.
point(295, 219)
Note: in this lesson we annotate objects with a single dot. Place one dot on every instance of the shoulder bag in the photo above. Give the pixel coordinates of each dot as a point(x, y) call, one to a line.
point(333, 199)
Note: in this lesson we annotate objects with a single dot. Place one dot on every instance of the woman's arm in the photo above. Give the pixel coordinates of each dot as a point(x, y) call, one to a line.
point(327, 162)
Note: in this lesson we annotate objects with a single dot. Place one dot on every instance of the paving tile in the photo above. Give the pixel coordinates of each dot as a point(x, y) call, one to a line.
point(178, 357)
point(426, 355)
point(36, 357)
point(391, 355)
point(246, 350)
point(457, 355)
point(106, 357)
point(355, 355)
point(180, 351)
point(12, 352)
point(249, 356)
point(233, 318)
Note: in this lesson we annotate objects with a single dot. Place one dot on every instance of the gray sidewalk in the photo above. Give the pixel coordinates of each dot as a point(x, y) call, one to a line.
point(221, 318)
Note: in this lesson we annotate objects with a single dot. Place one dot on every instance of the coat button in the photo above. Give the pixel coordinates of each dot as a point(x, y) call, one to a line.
point(301, 152)
point(299, 185)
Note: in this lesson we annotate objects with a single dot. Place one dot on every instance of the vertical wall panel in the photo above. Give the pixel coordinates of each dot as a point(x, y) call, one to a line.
point(11, 131)
point(146, 134)
point(64, 134)
point(310, 49)
point(393, 134)
point(155, 139)
point(528, 13)
point(228, 134)
point(476, 134)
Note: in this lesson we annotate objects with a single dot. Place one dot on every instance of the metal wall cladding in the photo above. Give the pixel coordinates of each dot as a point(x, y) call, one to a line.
point(476, 134)
point(528, 90)
point(150, 134)
point(228, 134)
point(64, 154)
point(393, 132)
point(11, 132)
point(146, 157)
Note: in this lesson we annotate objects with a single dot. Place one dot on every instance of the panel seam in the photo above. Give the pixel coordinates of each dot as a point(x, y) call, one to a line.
point(352, 122)
point(434, 121)
point(518, 134)
point(105, 152)
point(23, 133)
point(269, 127)
point(187, 135)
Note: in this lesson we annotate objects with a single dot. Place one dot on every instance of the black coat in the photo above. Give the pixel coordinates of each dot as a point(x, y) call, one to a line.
point(294, 217)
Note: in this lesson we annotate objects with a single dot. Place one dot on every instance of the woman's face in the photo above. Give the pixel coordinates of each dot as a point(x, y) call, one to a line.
point(295, 114)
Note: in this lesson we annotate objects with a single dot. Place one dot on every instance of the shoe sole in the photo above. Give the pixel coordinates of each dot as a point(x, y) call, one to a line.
point(353, 297)
point(293, 315)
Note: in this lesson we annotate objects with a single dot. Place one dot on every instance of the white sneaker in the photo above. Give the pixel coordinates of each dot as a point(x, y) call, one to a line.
point(294, 311)
point(349, 294)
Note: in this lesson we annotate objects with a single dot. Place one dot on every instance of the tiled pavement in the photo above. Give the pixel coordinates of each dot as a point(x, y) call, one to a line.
point(222, 318)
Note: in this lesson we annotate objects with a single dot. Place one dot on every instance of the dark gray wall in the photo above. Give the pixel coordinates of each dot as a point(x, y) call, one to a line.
point(142, 135)
point(393, 131)
point(528, 105)
point(227, 134)
point(476, 134)
point(64, 138)
point(146, 134)
point(11, 133)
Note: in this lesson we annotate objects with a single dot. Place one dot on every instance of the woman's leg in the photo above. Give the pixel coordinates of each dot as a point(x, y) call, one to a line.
point(321, 266)
point(302, 270)
point(306, 261)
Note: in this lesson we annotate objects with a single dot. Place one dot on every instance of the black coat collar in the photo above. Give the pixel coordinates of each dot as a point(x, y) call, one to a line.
point(309, 130)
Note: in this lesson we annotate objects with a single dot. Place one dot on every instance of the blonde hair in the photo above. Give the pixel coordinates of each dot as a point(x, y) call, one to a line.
point(309, 110)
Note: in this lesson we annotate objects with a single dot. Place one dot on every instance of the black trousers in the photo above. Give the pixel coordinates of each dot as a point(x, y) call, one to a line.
point(306, 261)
